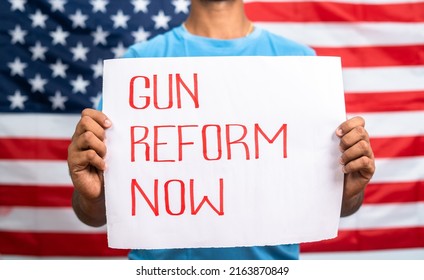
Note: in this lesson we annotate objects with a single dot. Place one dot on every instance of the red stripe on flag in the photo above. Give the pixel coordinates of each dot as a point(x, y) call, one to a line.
point(392, 192)
point(33, 148)
point(384, 102)
point(392, 147)
point(370, 239)
point(376, 55)
point(333, 12)
point(35, 196)
point(57, 244)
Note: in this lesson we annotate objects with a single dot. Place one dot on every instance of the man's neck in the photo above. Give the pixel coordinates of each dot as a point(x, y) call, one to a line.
point(223, 19)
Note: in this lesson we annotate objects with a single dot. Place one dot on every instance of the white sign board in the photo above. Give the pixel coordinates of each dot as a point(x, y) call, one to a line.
point(222, 151)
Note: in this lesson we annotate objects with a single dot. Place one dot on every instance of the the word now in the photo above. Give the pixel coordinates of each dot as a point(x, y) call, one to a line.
point(153, 202)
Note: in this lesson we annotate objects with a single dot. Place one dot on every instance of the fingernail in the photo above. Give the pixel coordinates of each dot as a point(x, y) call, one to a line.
point(108, 123)
point(339, 131)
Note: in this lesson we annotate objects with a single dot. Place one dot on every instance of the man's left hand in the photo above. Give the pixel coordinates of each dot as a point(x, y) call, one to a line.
point(357, 162)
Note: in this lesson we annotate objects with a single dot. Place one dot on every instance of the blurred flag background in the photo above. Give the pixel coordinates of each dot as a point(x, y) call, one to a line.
point(51, 54)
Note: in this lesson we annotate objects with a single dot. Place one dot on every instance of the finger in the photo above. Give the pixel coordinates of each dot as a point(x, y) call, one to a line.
point(361, 148)
point(350, 124)
point(81, 160)
point(94, 121)
point(363, 165)
point(354, 136)
point(97, 116)
point(88, 140)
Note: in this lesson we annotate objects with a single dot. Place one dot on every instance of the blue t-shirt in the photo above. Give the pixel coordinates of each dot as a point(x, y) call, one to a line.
point(179, 43)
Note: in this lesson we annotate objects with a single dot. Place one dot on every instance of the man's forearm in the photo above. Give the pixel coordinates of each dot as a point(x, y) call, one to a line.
point(92, 213)
point(352, 205)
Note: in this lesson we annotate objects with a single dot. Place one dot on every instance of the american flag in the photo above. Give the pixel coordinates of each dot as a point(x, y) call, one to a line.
point(51, 54)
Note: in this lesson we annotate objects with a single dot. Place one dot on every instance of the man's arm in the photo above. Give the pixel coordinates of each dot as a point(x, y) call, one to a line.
point(352, 204)
point(92, 213)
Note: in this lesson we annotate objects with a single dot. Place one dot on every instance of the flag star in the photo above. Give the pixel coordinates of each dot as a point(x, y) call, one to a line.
point(38, 19)
point(99, 5)
point(80, 52)
point(59, 36)
point(97, 68)
point(181, 6)
point(58, 101)
point(140, 35)
point(100, 36)
point(96, 100)
point(59, 69)
point(78, 19)
point(120, 19)
point(38, 51)
point(18, 5)
point(18, 35)
point(17, 100)
point(17, 67)
point(140, 5)
point(57, 5)
point(161, 20)
point(38, 83)
point(79, 85)
point(119, 50)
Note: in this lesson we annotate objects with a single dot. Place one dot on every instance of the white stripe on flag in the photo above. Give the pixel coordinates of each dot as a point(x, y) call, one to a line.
point(62, 127)
point(38, 125)
point(35, 172)
point(44, 220)
point(405, 169)
point(383, 79)
point(393, 124)
point(393, 215)
point(55, 173)
point(349, 34)
point(39, 219)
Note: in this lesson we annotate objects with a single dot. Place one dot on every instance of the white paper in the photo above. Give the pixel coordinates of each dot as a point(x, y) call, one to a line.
point(264, 191)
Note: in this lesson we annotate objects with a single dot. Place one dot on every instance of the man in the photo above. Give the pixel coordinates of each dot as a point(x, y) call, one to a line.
point(213, 28)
